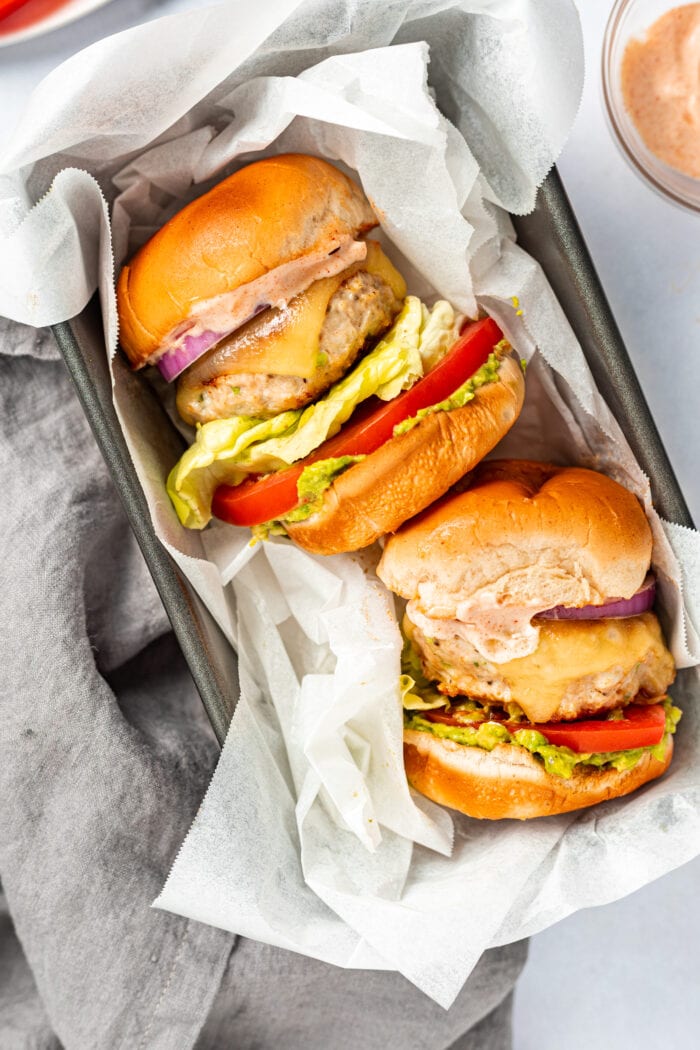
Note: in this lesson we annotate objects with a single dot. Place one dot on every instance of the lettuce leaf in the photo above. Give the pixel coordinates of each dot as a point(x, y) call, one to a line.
point(227, 450)
point(417, 693)
point(440, 331)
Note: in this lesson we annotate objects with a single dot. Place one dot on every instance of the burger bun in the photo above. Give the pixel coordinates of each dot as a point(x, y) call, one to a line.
point(529, 534)
point(411, 470)
point(510, 781)
point(263, 216)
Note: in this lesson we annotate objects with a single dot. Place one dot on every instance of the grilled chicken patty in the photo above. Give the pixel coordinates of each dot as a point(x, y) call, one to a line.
point(557, 682)
point(363, 307)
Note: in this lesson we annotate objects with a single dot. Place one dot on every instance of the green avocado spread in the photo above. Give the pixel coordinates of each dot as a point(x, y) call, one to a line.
point(419, 695)
point(313, 482)
point(561, 761)
point(488, 373)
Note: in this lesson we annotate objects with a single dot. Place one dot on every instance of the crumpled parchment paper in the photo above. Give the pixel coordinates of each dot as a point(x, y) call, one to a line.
point(309, 837)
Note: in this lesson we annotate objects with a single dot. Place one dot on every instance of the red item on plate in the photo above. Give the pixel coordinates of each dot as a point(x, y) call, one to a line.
point(642, 726)
point(20, 14)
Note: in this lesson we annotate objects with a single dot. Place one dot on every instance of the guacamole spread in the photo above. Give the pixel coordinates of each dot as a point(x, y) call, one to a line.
point(464, 394)
point(561, 761)
point(313, 482)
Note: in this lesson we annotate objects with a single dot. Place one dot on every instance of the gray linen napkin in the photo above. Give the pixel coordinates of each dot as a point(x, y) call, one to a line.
point(105, 753)
point(104, 750)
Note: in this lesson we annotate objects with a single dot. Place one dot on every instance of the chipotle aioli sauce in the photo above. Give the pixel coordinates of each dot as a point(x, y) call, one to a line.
point(661, 88)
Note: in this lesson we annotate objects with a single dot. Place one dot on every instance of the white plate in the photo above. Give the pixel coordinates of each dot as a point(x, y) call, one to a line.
point(66, 13)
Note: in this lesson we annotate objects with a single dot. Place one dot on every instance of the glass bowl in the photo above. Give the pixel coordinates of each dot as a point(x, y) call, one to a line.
point(628, 19)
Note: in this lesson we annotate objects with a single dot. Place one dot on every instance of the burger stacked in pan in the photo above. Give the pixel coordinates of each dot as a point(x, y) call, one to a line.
point(332, 407)
point(536, 672)
point(329, 405)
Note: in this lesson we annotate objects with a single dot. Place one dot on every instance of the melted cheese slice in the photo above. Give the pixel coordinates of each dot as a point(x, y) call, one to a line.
point(571, 651)
point(285, 342)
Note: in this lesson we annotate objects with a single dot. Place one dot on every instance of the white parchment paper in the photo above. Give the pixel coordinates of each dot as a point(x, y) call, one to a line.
point(309, 837)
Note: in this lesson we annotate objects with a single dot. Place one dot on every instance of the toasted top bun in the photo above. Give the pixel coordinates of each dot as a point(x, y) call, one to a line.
point(510, 781)
point(265, 215)
point(412, 469)
point(523, 534)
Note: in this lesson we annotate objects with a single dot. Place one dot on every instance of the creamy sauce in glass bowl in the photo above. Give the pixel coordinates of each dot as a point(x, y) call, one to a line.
point(660, 82)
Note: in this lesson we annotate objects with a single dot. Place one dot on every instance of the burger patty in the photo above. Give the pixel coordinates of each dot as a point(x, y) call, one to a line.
point(362, 308)
point(560, 680)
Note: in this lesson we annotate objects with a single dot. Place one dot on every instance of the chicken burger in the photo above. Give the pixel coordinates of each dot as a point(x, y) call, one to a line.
point(536, 672)
point(328, 404)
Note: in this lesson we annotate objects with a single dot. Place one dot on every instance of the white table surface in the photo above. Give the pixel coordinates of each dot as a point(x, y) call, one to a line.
point(623, 975)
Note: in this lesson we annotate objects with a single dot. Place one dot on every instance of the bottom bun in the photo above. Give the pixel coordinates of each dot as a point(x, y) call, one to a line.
point(511, 782)
point(410, 471)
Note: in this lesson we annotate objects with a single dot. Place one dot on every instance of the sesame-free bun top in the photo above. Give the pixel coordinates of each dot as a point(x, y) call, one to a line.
point(267, 214)
point(523, 534)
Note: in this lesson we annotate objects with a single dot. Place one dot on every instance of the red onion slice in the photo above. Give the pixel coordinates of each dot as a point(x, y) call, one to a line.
point(173, 362)
point(640, 602)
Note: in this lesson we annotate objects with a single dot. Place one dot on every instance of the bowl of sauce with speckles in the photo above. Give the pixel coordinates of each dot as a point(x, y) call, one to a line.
point(651, 87)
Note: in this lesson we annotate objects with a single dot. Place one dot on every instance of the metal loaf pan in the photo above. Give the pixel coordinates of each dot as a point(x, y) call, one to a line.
point(551, 234)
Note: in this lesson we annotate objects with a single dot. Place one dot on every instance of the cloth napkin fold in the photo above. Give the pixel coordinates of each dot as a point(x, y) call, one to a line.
point(105, 754)
point(104, 748)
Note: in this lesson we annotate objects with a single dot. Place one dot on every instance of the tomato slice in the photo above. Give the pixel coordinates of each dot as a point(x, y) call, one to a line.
point(8, 6)
point(257, 500)
point(19, 14)
point(642, 726)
